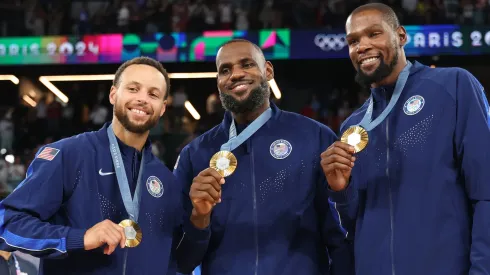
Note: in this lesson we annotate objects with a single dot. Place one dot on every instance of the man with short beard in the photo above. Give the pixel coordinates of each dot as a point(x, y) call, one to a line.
point(271, 214)
point(101, 202)
point(417, 200)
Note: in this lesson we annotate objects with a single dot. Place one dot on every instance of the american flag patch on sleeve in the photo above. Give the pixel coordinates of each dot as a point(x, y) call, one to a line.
point(48, 153)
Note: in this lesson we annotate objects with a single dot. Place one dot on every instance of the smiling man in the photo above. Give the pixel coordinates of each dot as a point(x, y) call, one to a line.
point(101, 202)
point(417, 200)
point(271, 214)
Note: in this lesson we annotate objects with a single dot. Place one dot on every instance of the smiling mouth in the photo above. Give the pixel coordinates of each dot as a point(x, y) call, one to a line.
point(138, 111)
point(239, 86)
point(369, 60)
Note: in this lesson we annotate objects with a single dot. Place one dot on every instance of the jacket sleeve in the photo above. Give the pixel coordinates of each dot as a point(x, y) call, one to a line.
point(340, 248)
point(472, 144)
point(25, 215)
point(346, 203)
point(192, 242)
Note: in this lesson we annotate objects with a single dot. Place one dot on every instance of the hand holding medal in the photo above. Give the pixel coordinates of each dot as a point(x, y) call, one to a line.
point(337, 163)
point(205, 193)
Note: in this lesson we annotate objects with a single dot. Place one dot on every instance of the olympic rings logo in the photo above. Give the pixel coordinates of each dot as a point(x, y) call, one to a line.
point(329, 42)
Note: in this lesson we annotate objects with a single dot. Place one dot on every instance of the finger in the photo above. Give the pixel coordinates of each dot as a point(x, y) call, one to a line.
point(208, 180)
point(330, 168)
point(336, 159)
point(120, 230)
point(198, 196)
point(342, 152)
point(113, 235)
point(212, 173)
point(110, 241)
point(112, 245)
point(210, 190)
point(344, 146)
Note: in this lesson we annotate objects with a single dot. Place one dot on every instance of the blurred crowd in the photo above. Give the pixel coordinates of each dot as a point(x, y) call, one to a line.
point(23, 130)
point(54, 17)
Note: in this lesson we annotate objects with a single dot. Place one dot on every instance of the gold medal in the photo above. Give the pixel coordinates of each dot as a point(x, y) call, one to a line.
point(356, 136)
point(224, 162)
point(132, 231)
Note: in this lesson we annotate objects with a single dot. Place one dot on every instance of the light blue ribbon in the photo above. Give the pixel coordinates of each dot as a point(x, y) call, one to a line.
point(367, 123)
point(132, 205)
point(234, 141)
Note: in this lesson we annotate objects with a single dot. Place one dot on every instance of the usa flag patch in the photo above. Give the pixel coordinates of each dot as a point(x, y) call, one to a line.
point(48, 153)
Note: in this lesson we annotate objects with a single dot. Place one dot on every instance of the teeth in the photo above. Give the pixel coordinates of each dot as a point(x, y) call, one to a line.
point(239, 87)
point(138, 111)
point(369, 60)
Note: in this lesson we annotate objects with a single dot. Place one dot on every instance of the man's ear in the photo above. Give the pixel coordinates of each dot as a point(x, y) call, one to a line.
point(112, 95)
point(164, 107)
point(402, 35)
point(269, 70)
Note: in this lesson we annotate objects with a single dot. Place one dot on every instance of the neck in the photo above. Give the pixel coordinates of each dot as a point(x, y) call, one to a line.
point(134, 140)
point(6, 255)
point(251, 116)
point(391, 79)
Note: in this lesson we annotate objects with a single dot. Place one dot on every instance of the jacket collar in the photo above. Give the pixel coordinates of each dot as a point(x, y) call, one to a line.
point(125, 149)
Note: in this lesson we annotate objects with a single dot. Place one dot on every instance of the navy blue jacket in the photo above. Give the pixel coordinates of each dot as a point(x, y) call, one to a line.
point(70, 186)
point(274, 217)
point(419, 198)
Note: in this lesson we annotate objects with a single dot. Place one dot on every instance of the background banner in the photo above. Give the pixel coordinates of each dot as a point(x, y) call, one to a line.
point(202, 47)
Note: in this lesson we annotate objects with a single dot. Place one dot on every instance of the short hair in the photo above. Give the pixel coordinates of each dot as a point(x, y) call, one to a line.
point(143, 60)
point(238, 40)
point(389, 15)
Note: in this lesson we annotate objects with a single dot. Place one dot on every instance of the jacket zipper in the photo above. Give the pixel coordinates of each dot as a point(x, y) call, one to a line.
point(125, 260)
point(255, 210)
point(133, 174)
point(390, 198)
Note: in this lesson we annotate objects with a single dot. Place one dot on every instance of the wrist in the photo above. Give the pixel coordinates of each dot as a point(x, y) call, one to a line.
point(200, 221)
point(75, 240)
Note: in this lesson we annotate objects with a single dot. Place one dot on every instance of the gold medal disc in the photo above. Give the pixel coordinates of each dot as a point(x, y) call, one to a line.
point(132, 231)
point(356, 136)
point(224, 162)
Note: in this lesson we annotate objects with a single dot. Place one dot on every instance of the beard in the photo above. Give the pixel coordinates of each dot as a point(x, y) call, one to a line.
point(254, 101)
point(121, 113)
point(379, 74)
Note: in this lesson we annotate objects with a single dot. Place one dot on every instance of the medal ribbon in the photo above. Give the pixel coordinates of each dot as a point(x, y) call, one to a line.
point(132, 205)
point(367, 123)
point(234, 141)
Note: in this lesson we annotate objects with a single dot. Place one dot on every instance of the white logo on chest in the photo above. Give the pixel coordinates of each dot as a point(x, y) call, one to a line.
point(413, 105)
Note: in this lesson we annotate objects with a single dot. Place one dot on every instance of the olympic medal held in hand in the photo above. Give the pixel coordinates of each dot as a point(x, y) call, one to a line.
point(224, 162)
point(356, 136)
point(132, 231)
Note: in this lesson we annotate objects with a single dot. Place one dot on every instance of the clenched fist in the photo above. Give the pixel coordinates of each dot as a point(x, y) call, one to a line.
point(105, 232)
point(337, 162)
point(205, 194)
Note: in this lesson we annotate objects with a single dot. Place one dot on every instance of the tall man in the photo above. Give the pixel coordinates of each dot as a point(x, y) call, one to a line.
point(255, 181)
point(87, 195)
point(417, 200)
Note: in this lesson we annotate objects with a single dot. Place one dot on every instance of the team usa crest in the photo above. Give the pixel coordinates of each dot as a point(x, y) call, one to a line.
point(280, 149)
point(413, 105)
point(154, 186)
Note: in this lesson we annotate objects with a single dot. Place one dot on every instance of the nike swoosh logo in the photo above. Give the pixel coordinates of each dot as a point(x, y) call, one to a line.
point(105, 174)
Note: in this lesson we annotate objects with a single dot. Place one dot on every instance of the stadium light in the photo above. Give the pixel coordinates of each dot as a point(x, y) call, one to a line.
point(29, 100)
point(10, 77)
point(48, 79)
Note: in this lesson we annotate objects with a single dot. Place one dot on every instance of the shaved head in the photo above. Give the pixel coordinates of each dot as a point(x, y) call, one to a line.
point(389, 15)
